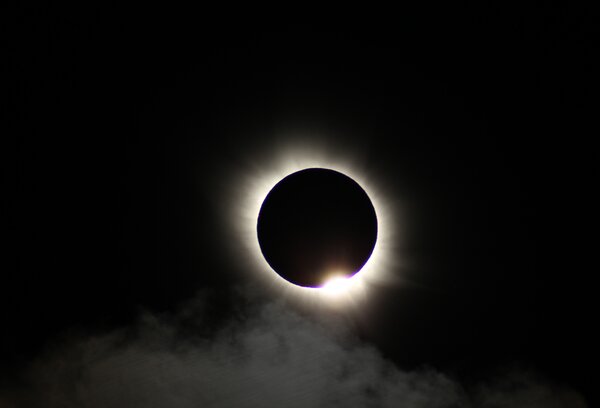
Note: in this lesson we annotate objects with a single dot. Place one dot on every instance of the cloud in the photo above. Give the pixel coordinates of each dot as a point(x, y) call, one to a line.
point(521, 387)
point(273, 357)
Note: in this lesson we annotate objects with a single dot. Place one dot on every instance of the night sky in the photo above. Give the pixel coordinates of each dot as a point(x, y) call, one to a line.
point(130, 131)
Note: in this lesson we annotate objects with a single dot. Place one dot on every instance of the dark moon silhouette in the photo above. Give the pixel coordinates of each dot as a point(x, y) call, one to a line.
point(315, 223)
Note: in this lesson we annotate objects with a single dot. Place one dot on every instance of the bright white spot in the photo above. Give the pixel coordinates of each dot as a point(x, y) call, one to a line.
point(336, 285)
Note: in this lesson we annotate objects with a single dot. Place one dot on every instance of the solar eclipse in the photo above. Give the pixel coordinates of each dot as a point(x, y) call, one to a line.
point(252, 181)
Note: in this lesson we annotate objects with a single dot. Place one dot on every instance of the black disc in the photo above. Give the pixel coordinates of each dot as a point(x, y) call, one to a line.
point(316, 223)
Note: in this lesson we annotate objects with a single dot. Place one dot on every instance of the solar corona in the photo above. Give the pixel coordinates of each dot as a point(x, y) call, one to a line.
point(314, 227)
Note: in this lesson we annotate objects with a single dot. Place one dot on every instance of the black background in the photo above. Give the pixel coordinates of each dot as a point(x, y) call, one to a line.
point(121, 120)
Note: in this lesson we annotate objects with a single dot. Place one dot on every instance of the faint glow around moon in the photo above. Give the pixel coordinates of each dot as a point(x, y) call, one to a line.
point(252, 185)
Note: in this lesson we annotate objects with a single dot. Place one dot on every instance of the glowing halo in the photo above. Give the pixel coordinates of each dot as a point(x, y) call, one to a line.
point(254, 183)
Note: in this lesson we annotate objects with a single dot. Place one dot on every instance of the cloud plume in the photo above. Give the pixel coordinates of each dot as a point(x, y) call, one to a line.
point(272, 357)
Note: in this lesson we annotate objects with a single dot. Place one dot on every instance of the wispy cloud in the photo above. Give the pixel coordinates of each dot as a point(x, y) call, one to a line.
point(273, 357)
